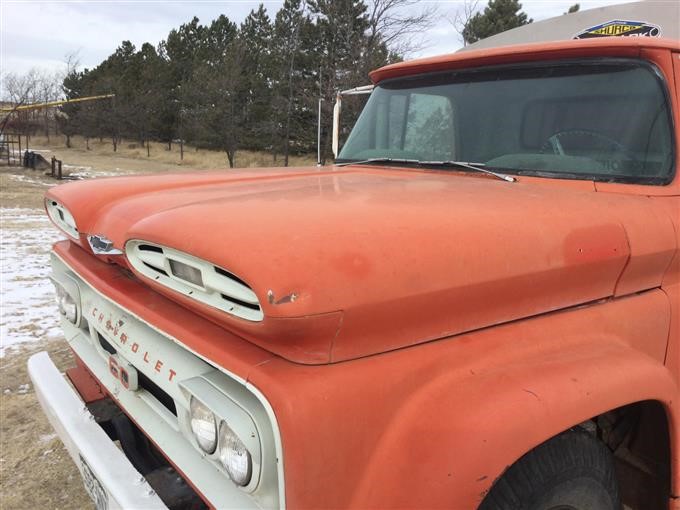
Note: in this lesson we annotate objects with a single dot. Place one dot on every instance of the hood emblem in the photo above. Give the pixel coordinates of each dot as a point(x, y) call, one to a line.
point(102, 246)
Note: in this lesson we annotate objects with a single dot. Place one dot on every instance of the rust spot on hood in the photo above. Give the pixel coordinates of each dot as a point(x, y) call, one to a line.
point(289, 298)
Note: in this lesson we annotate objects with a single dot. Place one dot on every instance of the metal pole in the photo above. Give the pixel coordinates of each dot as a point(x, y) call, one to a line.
point(318, 136)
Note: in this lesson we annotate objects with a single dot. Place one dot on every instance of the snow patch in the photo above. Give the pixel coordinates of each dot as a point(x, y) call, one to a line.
point(86, 172)
point(47, 438)
point(28, 311)
point(28, 180)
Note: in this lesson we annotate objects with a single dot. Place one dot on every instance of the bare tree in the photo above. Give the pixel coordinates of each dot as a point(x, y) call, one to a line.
point(399, 25)
point(18, 90)
point(49, 89)
point(33, 87)
point(71, 62)
point(462, 16)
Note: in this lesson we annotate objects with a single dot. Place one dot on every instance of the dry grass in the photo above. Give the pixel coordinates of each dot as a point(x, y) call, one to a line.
point(23, 188)
point(132, 155)
point(35, 468)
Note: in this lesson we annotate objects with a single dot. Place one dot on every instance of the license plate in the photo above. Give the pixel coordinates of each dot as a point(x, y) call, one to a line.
point(94, 487)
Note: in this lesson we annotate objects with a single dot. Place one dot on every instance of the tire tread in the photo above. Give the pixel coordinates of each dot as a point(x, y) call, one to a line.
point(574, 453)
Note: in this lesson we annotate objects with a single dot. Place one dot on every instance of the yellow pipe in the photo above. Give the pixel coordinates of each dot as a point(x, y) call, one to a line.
point(54, 103)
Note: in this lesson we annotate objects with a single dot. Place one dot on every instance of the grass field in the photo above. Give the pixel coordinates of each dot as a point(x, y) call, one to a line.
point(131, 157)
point(35, 469)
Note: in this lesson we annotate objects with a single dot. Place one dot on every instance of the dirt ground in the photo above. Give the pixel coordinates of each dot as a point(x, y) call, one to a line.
point(35, 469)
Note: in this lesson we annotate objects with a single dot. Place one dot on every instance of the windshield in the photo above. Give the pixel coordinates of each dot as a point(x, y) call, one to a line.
point(603, 120)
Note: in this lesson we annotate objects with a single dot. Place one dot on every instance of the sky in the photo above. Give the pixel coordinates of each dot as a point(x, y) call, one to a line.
point(41, 34)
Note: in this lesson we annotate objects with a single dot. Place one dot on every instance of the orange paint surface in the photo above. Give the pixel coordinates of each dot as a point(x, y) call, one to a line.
point(369, 279)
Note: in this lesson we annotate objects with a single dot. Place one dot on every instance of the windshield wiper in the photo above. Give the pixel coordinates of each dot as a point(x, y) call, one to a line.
point(477, 167)
point(379, 160)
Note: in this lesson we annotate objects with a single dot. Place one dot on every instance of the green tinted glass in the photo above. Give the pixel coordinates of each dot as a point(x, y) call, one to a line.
point(605, 120)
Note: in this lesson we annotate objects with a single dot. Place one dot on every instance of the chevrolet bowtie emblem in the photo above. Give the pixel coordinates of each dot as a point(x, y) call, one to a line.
point(102, 246)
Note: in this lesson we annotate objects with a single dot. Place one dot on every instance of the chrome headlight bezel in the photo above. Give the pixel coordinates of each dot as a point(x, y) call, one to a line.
point(228, 413)
point(62, 218)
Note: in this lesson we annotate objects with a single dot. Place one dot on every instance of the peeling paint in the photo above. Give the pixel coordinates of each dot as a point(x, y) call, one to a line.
point(289, 298)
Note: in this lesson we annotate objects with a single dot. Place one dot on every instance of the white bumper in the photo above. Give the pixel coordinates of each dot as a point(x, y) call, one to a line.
point(109, 476)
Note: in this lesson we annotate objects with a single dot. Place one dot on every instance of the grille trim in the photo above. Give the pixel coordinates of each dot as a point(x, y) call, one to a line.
point(221, 288)
point(144, 381)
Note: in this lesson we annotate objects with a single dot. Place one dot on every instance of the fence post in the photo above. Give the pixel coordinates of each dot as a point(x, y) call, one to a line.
point(59, 163)
point(54, 159)
point(19, 150)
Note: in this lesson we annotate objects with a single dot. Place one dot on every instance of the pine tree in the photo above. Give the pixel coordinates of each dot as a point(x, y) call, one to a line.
point(185, 47)
point(69, 116)
point(214, 109)
point(228, 87)
point(293, 80)
point(498, 16)
point(340, 28)
point(256, 35)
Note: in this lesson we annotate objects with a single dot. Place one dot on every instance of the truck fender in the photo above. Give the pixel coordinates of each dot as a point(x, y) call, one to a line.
point(451, 439)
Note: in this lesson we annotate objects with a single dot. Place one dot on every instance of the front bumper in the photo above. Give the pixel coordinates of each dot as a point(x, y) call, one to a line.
point(109, 477)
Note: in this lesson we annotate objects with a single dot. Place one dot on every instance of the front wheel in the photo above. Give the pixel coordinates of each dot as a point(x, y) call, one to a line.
point(572, 471)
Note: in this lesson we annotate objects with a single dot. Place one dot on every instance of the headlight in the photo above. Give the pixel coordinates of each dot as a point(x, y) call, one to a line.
point(203, 426)
point(67, 305)
point(234, 456)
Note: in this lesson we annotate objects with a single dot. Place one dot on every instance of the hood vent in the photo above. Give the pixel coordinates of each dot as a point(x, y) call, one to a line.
point(194, 278)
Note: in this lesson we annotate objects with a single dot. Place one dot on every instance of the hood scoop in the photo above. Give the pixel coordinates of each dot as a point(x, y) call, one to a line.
point(194, 278)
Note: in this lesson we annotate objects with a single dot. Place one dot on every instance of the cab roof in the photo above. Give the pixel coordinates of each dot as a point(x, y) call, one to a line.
point(619, 30)
point(646, 19)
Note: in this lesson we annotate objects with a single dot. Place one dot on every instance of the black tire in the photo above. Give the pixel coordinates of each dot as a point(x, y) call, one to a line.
point(572, 471)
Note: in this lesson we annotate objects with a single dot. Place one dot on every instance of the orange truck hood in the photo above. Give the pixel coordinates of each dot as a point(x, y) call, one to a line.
point(377, 258)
